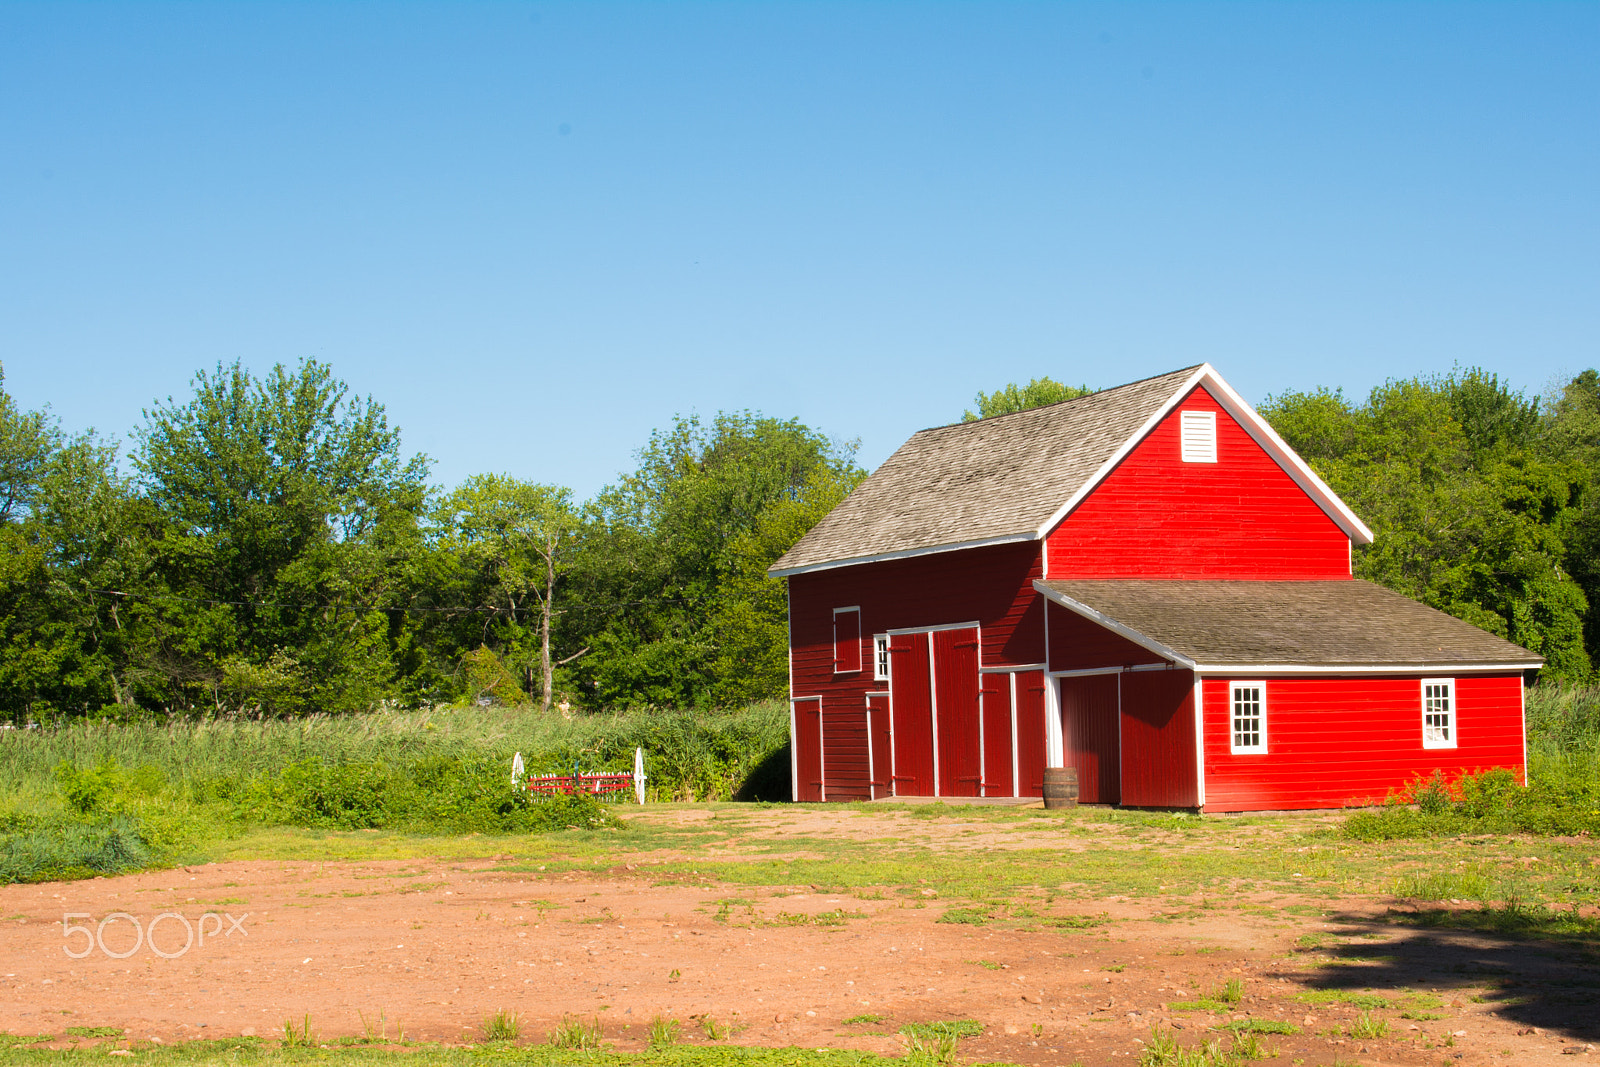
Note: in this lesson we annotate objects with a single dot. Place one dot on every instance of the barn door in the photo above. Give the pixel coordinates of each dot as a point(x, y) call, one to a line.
point(1089, 735)
point(879, 762)
point(911, 696)
point(1030, 733)
point(808, 748)
point(955, 706)
point(997, 753)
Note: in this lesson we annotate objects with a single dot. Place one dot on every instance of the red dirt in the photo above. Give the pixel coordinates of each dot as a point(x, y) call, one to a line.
point(435, 947)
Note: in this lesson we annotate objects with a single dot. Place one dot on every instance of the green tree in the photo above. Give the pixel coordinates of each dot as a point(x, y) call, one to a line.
point(513, 538)
point(289, 506)
point(1471, 513)
point(28, 440)
point(656, 561)
point(1037, 393)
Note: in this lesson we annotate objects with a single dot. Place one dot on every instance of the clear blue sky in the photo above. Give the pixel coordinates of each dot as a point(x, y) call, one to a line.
point(535, 231)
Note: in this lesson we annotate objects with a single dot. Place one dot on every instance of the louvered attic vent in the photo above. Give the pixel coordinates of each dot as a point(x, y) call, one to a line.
point(1198, 432)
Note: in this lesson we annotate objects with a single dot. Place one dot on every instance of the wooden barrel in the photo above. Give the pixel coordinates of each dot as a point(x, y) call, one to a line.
point(1061, 787)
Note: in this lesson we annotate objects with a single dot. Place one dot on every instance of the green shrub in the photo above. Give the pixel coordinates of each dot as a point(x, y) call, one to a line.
point(73, 849)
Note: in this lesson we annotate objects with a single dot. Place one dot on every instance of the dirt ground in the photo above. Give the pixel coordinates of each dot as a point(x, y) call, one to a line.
point(432, 948)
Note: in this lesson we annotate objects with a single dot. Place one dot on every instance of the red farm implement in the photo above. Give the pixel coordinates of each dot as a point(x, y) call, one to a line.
point(606, 785)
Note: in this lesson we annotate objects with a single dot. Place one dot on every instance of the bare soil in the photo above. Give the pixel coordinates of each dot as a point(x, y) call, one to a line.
point(432, 948)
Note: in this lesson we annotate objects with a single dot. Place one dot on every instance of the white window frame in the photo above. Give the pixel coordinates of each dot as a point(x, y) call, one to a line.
point(1260, 747)
point(856, 623)
point(1430, 729)
point(880, 657)
point(1197, 436)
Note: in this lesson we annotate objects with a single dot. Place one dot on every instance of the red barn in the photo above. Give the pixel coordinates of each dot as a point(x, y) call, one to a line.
point(1146, 584)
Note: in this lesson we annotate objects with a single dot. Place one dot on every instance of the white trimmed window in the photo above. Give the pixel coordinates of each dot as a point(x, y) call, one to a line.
point(846, 640)
point(880, 657)
point(1247, 717)
point(1438, 713)
point(1197, 431)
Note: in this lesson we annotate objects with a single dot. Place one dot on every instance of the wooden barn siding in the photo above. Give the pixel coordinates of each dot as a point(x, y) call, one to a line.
point(1155, 516)
point(1333, 742)
point(1078, 644)
point(1158, 743)
point(992, 586)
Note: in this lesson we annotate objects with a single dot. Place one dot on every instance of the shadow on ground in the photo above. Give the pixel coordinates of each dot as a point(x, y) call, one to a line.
point(1535, 968)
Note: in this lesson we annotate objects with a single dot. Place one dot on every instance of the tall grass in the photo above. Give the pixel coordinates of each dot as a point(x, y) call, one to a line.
point(1564, 738)
point(101, 797)
point(688, 755)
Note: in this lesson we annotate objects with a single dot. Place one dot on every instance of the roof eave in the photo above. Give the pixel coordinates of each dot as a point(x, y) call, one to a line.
point(777, 571)
point(1432, 667)
point(1122, 629)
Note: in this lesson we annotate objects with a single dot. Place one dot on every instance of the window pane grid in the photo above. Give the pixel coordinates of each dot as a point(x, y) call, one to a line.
point(1436, 714)
point(1247, 719)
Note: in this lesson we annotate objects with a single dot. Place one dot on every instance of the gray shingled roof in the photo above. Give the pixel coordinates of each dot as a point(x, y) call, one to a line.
point(1336, 623)
point(996, 478)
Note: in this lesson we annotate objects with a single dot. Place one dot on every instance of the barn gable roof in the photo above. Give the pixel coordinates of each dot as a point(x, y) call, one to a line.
point(1014, 477)
point(1249, 626)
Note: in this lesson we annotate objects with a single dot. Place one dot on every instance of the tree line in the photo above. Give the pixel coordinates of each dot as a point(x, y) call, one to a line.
point(266, 546)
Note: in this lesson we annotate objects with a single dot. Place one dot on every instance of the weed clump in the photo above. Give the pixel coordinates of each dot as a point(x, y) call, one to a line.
point(573, 1033)
point(502, 1026)
point(1489, 801)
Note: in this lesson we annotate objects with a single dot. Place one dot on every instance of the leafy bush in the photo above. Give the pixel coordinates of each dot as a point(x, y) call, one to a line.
point(1486, 802)
point(73, 849)
point(430, 795)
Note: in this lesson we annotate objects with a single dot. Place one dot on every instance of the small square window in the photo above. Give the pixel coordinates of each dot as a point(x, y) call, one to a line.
point(1438, 713)
point(880, 657)
point(1197, 431)
point(1247, 717)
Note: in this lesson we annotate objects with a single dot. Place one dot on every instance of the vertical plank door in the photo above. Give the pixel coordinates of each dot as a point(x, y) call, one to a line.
point(910, 695)
point(996, 708)
point(1030, 733)
point(878, 740)
point(808, 748)
point(955, 680)
point(1089, 732)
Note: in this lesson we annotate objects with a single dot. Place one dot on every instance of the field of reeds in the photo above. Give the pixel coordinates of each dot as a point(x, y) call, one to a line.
point(102, 797)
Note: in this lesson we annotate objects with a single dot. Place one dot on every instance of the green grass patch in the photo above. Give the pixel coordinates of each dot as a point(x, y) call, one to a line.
point(955, 1028)
point(964, 916)
point(1260, 1026)
point(1513, 918)
point(1365, 1001)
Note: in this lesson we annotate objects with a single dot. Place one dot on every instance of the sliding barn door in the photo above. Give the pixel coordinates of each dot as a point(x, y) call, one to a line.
point(955, 706)
point(1089, 733)
point(911, 696)
point(997, 754)
point(1030, 733)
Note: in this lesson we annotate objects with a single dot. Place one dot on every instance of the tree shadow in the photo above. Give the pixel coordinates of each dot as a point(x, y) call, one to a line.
point(1535, 967)
point(769, 779)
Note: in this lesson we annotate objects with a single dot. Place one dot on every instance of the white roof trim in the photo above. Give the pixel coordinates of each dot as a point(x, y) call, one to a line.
point(1441, 669)
point(1114, 626)
point(1006, 539)
point(1254, 425)
point(1287, 458)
